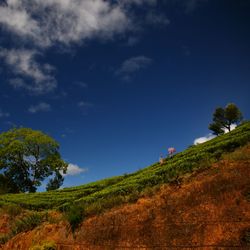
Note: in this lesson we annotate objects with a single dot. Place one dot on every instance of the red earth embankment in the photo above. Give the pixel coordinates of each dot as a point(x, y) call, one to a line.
point(209, 210)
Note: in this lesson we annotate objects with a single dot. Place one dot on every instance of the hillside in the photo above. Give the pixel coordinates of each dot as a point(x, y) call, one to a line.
point(199, 198)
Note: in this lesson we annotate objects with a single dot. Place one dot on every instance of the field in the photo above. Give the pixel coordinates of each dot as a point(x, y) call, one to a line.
point(104, 194)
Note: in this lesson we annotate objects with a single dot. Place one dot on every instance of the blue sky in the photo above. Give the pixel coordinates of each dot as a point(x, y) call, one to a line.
point(118, 82)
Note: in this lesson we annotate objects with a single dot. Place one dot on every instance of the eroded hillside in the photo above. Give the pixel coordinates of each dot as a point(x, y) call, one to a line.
point(208, 209)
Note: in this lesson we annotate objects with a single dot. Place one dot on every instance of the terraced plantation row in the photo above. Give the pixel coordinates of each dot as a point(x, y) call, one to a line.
point(115, 190)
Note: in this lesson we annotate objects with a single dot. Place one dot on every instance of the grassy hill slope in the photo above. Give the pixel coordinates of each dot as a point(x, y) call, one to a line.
point(208, 209)
point(98, 196)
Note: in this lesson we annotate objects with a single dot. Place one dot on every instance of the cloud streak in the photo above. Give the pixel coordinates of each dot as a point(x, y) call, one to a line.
point(41, 107)
point(4, 114)
point(132, 65)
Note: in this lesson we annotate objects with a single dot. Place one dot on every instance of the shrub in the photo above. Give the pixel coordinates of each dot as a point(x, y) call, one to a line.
point(246, 237)
point(241, 154)
point(74, 215)
point(27, 223)
point(12, 209)
point(3, 238)
point(47, 245)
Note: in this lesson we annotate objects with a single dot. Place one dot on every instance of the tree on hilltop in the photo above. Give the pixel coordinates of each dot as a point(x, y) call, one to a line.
point(224, 118)
point(28, 157)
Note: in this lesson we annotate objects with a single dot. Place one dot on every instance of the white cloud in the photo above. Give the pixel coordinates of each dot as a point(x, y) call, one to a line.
point(4, 114)
point(204, 139)
point(47, 23)
point(211, 136)
point(65, 21)
point(16, 18)
point(84, 104)
point(23, 63)
point(74, 169)
point(41, 24)
point(41, 107)
point(133, 64)
point(232, 127)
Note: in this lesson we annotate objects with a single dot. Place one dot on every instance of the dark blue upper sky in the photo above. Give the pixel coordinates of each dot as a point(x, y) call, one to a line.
point(118, 82)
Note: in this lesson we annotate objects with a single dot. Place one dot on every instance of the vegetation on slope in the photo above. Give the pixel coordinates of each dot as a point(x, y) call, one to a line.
point(96, 196)
point(210, 209)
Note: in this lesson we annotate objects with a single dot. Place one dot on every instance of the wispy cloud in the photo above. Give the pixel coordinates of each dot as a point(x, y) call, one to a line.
point(132, 65)
point(138, 2)
point(156, 18)
point(81, 84)
point(38, 77)
point(74, 169)
point(41, 107)
point(39, 25)
point(190, 6)
point(132, 41)
point(4, 114)
point(84, 104)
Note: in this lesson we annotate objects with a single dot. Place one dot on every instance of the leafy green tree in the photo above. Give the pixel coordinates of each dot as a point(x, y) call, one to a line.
point(7, 185)
point(224, 118)
point(56, 182)
point(28, 157)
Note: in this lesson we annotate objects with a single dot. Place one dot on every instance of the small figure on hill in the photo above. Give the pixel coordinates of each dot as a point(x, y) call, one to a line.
point(161, 160)
point(171, 151)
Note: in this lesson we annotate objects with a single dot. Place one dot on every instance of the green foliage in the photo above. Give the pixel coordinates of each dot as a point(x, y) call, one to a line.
point(12, 210)
point(4, 238)
point(56, 182)
point(246, 237)
point(7, 185)
point(224, 118)
point(27, 223)
point(74, 215)
point(101, 195)
point(27, 157)
point(247, 194)
point(238, 155)
point(47, 245)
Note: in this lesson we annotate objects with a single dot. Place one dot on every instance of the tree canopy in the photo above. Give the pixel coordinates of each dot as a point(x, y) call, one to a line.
point(224, 118)
point(27, 158)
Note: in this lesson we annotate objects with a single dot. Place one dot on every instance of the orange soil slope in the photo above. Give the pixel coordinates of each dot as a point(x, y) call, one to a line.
point(209, 210)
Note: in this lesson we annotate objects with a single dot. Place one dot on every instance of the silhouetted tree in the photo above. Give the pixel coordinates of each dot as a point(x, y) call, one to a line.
point(224, 118)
